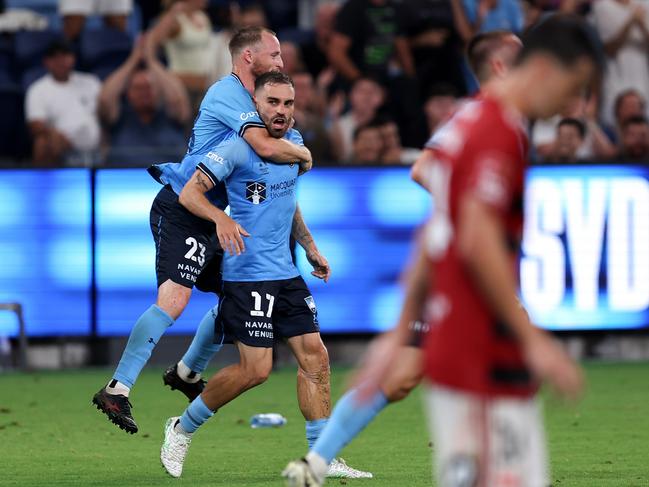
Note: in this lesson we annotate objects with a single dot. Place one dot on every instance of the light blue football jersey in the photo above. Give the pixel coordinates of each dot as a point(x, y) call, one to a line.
point(263, 199)
point(226, 107)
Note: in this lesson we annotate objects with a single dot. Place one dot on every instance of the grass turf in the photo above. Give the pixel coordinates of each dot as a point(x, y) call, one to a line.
point(50, 435)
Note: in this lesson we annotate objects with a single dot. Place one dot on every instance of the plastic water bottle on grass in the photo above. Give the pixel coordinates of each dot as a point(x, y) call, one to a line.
point(268, 420)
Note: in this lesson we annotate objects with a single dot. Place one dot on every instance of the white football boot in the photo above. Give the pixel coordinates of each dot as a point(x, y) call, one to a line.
point(174, 448)
point(339, 469)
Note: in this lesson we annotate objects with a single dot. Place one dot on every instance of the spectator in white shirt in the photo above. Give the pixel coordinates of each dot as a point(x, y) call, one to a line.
point(61, 110)
point(623, 26)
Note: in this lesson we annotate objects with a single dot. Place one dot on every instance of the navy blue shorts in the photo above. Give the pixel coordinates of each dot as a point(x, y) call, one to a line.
point(187, 248)
point(256, 313)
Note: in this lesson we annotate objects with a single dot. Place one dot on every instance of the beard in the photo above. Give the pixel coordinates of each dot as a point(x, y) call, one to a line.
point(258, 69)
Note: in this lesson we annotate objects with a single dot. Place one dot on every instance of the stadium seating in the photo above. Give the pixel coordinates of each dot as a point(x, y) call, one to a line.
point(103, 50)
point(7, 61)
point(14, 139)
point(31, 45)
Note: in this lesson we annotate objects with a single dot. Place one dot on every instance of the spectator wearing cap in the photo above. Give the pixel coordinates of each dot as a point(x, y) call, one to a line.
point(145, 108)
point(61, 110)
point(75, 12)
point(634, 141)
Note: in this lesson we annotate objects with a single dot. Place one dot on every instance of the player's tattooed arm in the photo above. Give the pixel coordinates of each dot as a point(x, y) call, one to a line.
point(228, 231)
point(300, 232)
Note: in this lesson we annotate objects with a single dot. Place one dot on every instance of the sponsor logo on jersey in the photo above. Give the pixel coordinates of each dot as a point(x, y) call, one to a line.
point(256, 192)
point(283, 188)
point(246, 115)
point(310, 303)
point(215, 157)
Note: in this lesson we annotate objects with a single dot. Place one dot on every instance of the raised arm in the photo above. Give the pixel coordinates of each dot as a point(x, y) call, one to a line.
point(115, 84)
point(300, 232)
point(278, 150)
point(193, 198)
point(175, 97)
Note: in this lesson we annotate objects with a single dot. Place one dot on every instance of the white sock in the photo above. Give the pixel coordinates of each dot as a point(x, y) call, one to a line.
point(115, 387)
point(187, 374)
point(318, 465)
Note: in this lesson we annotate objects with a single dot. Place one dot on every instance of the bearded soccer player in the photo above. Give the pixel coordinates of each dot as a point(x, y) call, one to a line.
point(490, 55)
point(189, 249)
point(264, 297)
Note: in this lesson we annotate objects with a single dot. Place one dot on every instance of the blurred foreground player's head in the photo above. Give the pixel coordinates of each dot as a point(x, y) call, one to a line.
point(275, 100)
point(256, 50)
point(561, 58)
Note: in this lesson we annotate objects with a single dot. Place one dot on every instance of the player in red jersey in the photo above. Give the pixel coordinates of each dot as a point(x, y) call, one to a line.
point(490, 56)
point(483, 358)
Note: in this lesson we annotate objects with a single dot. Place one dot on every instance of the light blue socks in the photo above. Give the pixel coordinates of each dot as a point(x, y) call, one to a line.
point(203, 348)
point(314, 429)
point(195, 415)
point(144, 337)
point(347, 420)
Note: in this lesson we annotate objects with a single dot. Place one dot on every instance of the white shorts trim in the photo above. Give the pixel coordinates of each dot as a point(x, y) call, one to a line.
point(91, 7)
point(486, 442)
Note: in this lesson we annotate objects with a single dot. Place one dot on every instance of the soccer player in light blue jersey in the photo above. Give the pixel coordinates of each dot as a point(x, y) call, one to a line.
point(490, 55)
point(188, 248)
point(264, 297)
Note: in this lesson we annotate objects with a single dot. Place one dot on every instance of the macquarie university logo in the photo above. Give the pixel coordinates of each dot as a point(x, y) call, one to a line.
point(256, 192)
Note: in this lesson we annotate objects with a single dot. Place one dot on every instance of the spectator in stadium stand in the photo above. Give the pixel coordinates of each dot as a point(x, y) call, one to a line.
point(623, 26)
point(308, 118)
point(393, 152)
point(363, 39)
point(634, 141)
point(429, 44)
point(439, 106)
point(571, 134)
point(61, 111)
point(185, 32)
point(292, 57)
point(365, 98)
point(596, 145)
point(368, 146)
point(628, 104)
point(75, 12)
point(315, 52)
point(145, 109)
point(474, 16)
point(251, 15)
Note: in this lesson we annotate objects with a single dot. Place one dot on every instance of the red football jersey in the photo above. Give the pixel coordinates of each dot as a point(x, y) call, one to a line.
point(482, 151)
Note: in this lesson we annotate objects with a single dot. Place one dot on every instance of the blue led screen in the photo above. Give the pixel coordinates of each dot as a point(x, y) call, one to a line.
point(45, 250)
point(584, 263)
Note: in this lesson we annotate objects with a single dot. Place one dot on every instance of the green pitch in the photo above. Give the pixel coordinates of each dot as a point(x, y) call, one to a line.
point(51, 436)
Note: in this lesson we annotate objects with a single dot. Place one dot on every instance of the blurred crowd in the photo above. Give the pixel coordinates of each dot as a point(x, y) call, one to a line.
point(118, 82)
